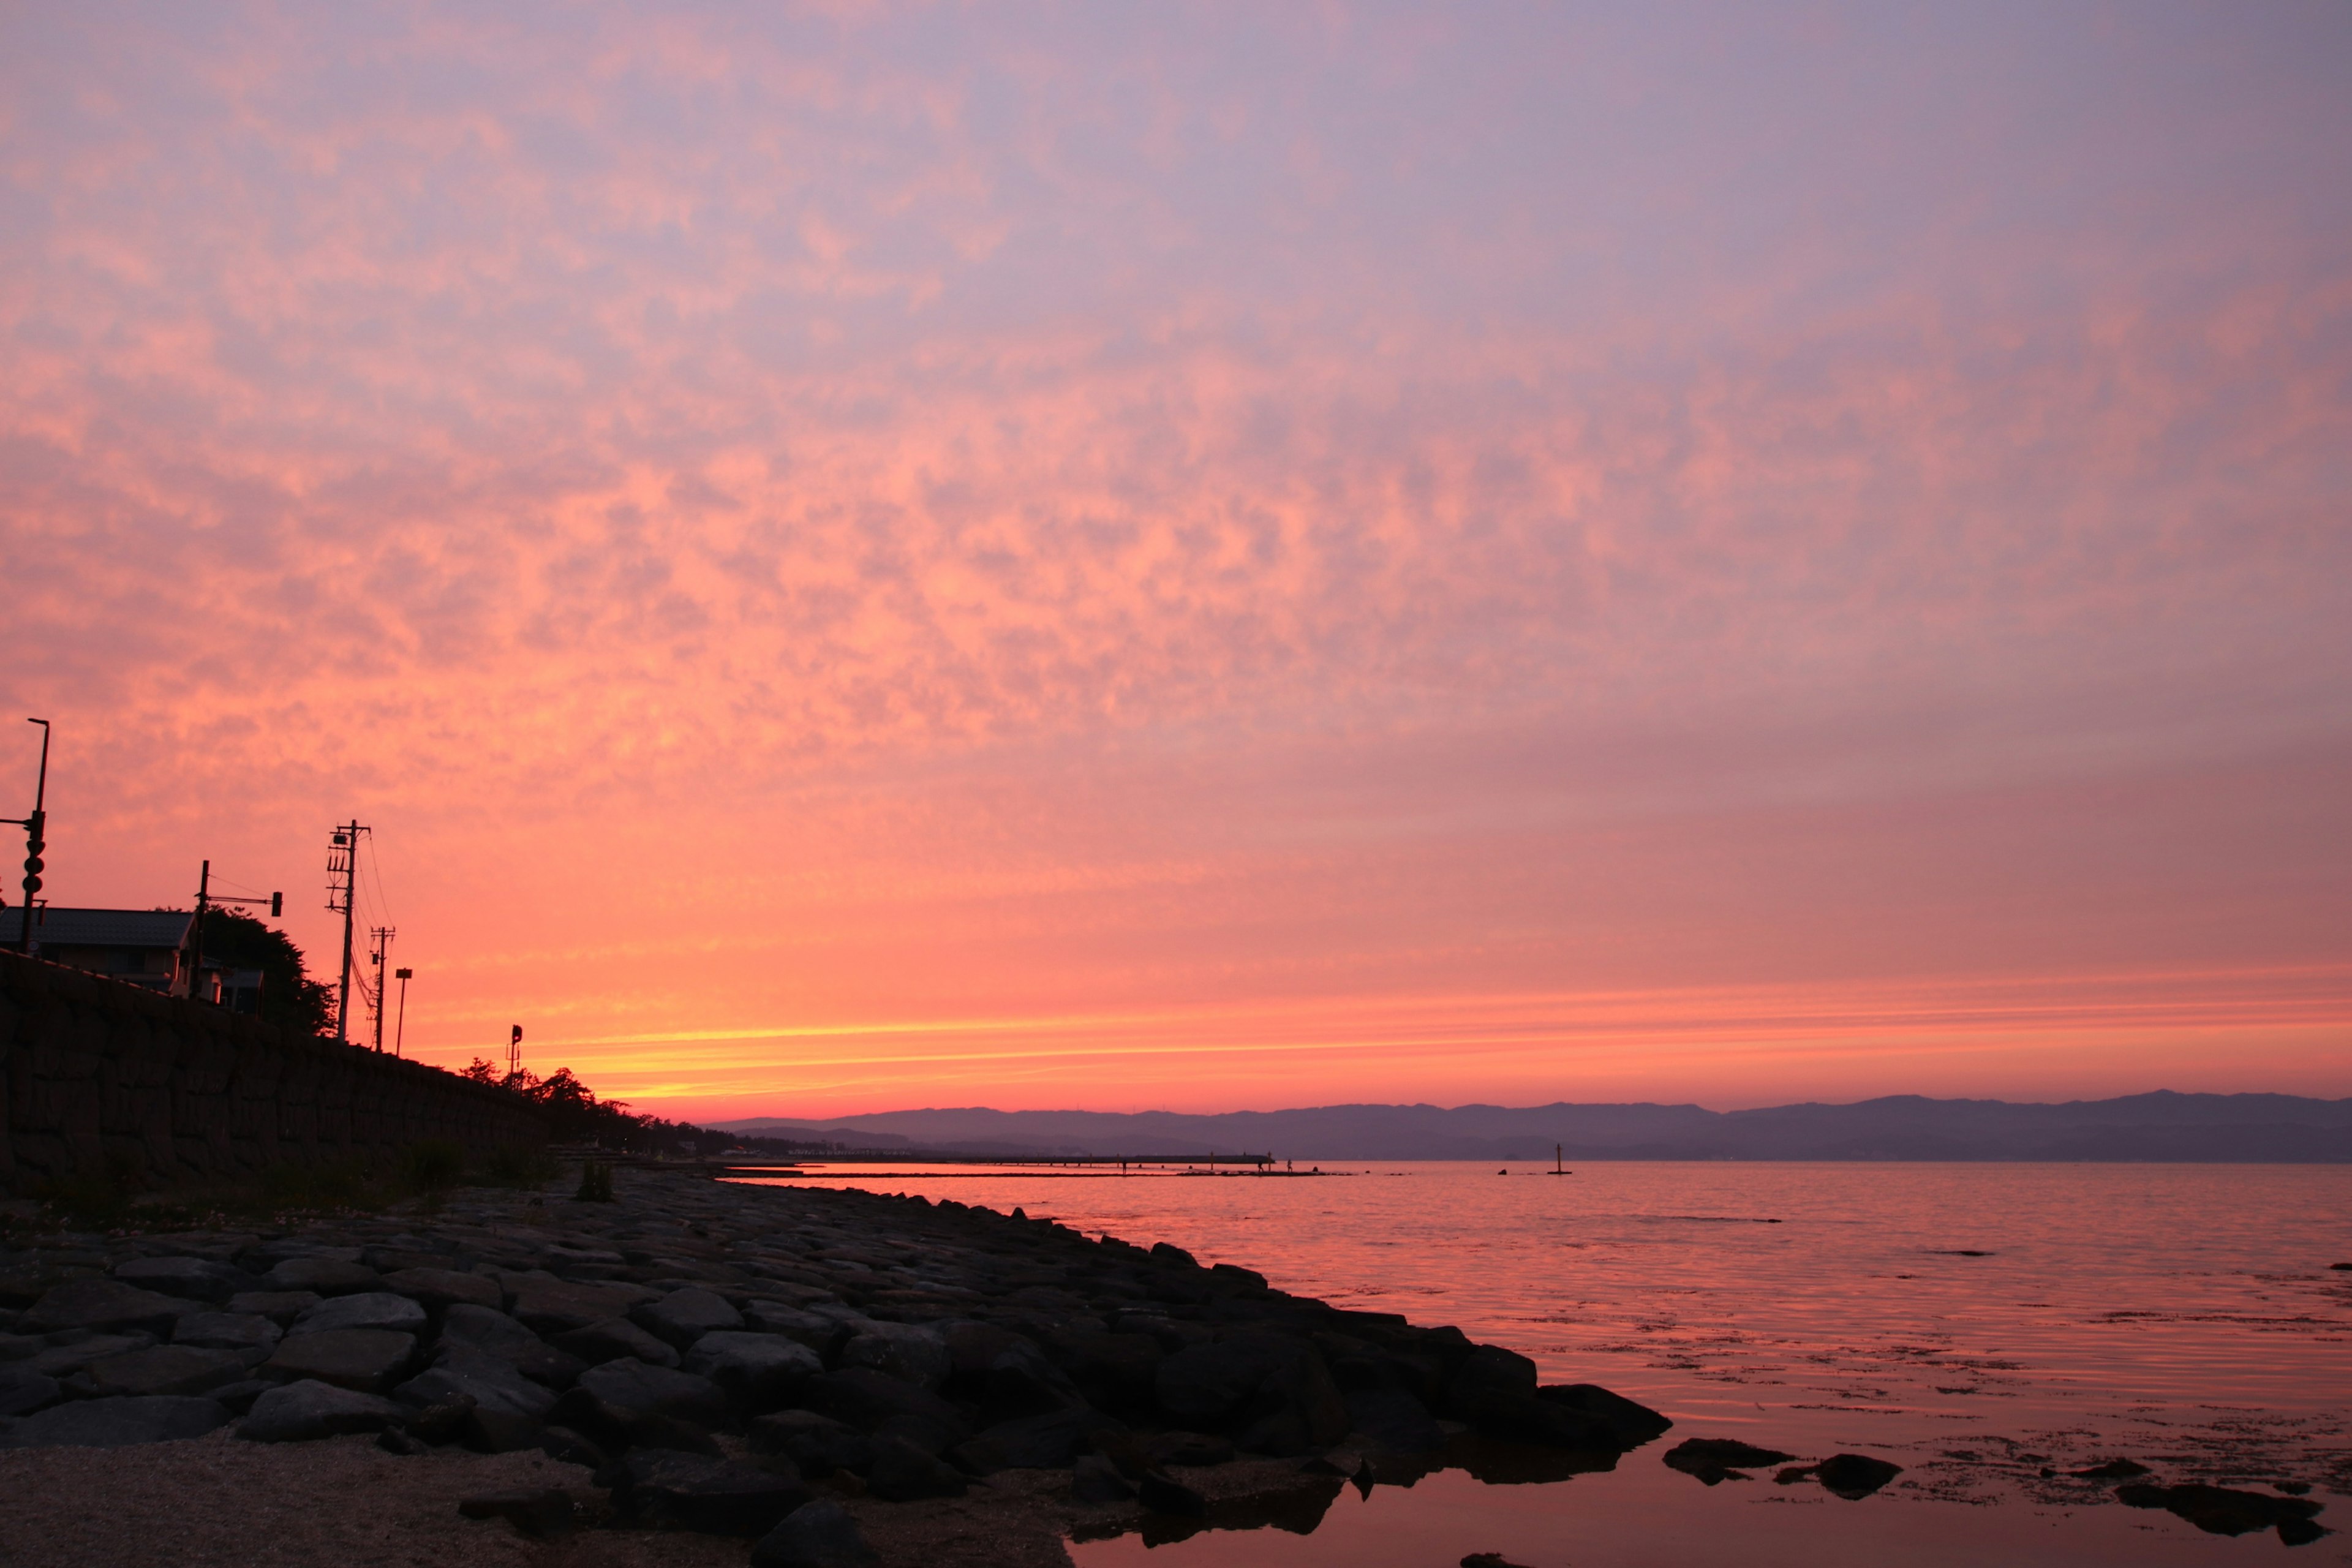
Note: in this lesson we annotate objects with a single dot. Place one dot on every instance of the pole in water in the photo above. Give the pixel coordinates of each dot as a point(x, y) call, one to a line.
point(1559, 1165)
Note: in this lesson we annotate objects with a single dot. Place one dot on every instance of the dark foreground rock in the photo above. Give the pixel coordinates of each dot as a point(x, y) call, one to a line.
point(301, 1412)
point(1717, 1460)
point(820, 1535)
point(1851, 1476)
point(893, 1348)
point(2226, 1511)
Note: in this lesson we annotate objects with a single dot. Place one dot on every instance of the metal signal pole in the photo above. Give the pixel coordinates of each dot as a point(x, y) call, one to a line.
point(382, 936)
point(400, 1028)
point(342, 870)
point(205, 897)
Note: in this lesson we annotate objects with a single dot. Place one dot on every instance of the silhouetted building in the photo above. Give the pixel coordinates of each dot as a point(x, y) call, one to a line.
point(138, 947)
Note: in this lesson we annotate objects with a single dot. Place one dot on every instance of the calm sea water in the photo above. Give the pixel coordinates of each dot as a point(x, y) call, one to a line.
point(1977, 1324)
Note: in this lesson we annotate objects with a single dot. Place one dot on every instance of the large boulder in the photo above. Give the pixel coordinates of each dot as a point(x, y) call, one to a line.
point(1714, 1460)
point(820, 1535)
point(818, 1443)
point(325, 1276)
point(99, 1305)
point(197, 1278)
point(487, 1328)
point(632, 1385)
point(25, 1388)
point(1628, 1425)
point(1271, 1391)
point(683, 1316)
point(1052, 1441)
point(760, 1372)
point(1394, 1421)
point(1117, 1372)
point(437, 1288)
point(549, 1306)
point(613, 1339)
point(362, 1309)
point(165, 1369)
point(823, 1334)
point(227, 1331)
point(281, 1307)
point(912, 1352)
point(718, 1497)
point(301, 1412)
point(116, 1423)
point(875, 1402)
point(901, 1472)
point(490, 1381)
point(369, 1360)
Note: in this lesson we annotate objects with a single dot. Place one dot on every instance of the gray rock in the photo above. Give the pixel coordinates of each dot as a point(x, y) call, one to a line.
point(903, 1473)
point(818, 1443)
point(613, 1339)
point(683, 1317)
point(60, 1360)
point(1394, 1421)
point(165, 1369)
point(566, 1447)
point(439, 1287)
point(103, 1304)
point(227, 1331)
point(281, 1307)
point(197, 1278)
point(632, 1385)
point(1271, 1390)
point(116, 1423)
point(327, 1276)
point(24, 1390)
point(760, 1372)
point(1047, 1442)
point(362, 1309)
point(1097, 1479)
point(489, 1431)
point(821, 1334)
point(1626, 1423)
point(819, 1535)
point(490, 1381)
point(551, 1306)
point(369, 1360)
point(718, 1497)
point(503, 1337)
point(236, 1398)
point(299, 1412)
point(875, 1402)
point(912, 1352)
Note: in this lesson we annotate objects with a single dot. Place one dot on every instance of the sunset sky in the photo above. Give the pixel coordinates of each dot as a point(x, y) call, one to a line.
point(1210, 557)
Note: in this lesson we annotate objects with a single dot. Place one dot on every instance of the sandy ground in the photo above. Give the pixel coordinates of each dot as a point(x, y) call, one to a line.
point(221, 1502)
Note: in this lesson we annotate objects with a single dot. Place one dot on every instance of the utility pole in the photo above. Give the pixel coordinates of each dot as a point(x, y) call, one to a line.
point(36, 828)
point(382, 936)
point(400, 1028)
point(343, 873)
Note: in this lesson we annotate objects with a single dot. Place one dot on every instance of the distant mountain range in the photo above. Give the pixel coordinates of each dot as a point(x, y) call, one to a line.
point(2163, 1126)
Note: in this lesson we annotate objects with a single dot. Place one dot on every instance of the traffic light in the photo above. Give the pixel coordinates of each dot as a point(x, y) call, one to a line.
point(34, 845)
point(277, 905)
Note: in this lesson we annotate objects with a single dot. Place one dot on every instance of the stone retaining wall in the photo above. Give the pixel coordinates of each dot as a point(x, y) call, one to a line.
point(101, 1076)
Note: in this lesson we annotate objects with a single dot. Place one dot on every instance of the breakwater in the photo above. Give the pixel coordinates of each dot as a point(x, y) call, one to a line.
point(103, 1079)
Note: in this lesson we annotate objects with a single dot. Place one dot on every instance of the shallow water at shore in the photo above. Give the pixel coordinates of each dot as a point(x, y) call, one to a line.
point(1979, 1324)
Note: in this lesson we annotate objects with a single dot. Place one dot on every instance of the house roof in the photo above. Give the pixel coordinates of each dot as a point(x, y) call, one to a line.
point(99, 928)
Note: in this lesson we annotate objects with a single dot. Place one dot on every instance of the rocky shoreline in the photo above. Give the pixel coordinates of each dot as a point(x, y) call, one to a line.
point(827, 1375)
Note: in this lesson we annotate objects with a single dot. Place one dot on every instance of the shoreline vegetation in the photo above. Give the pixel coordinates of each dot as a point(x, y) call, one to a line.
point(909, 1381)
